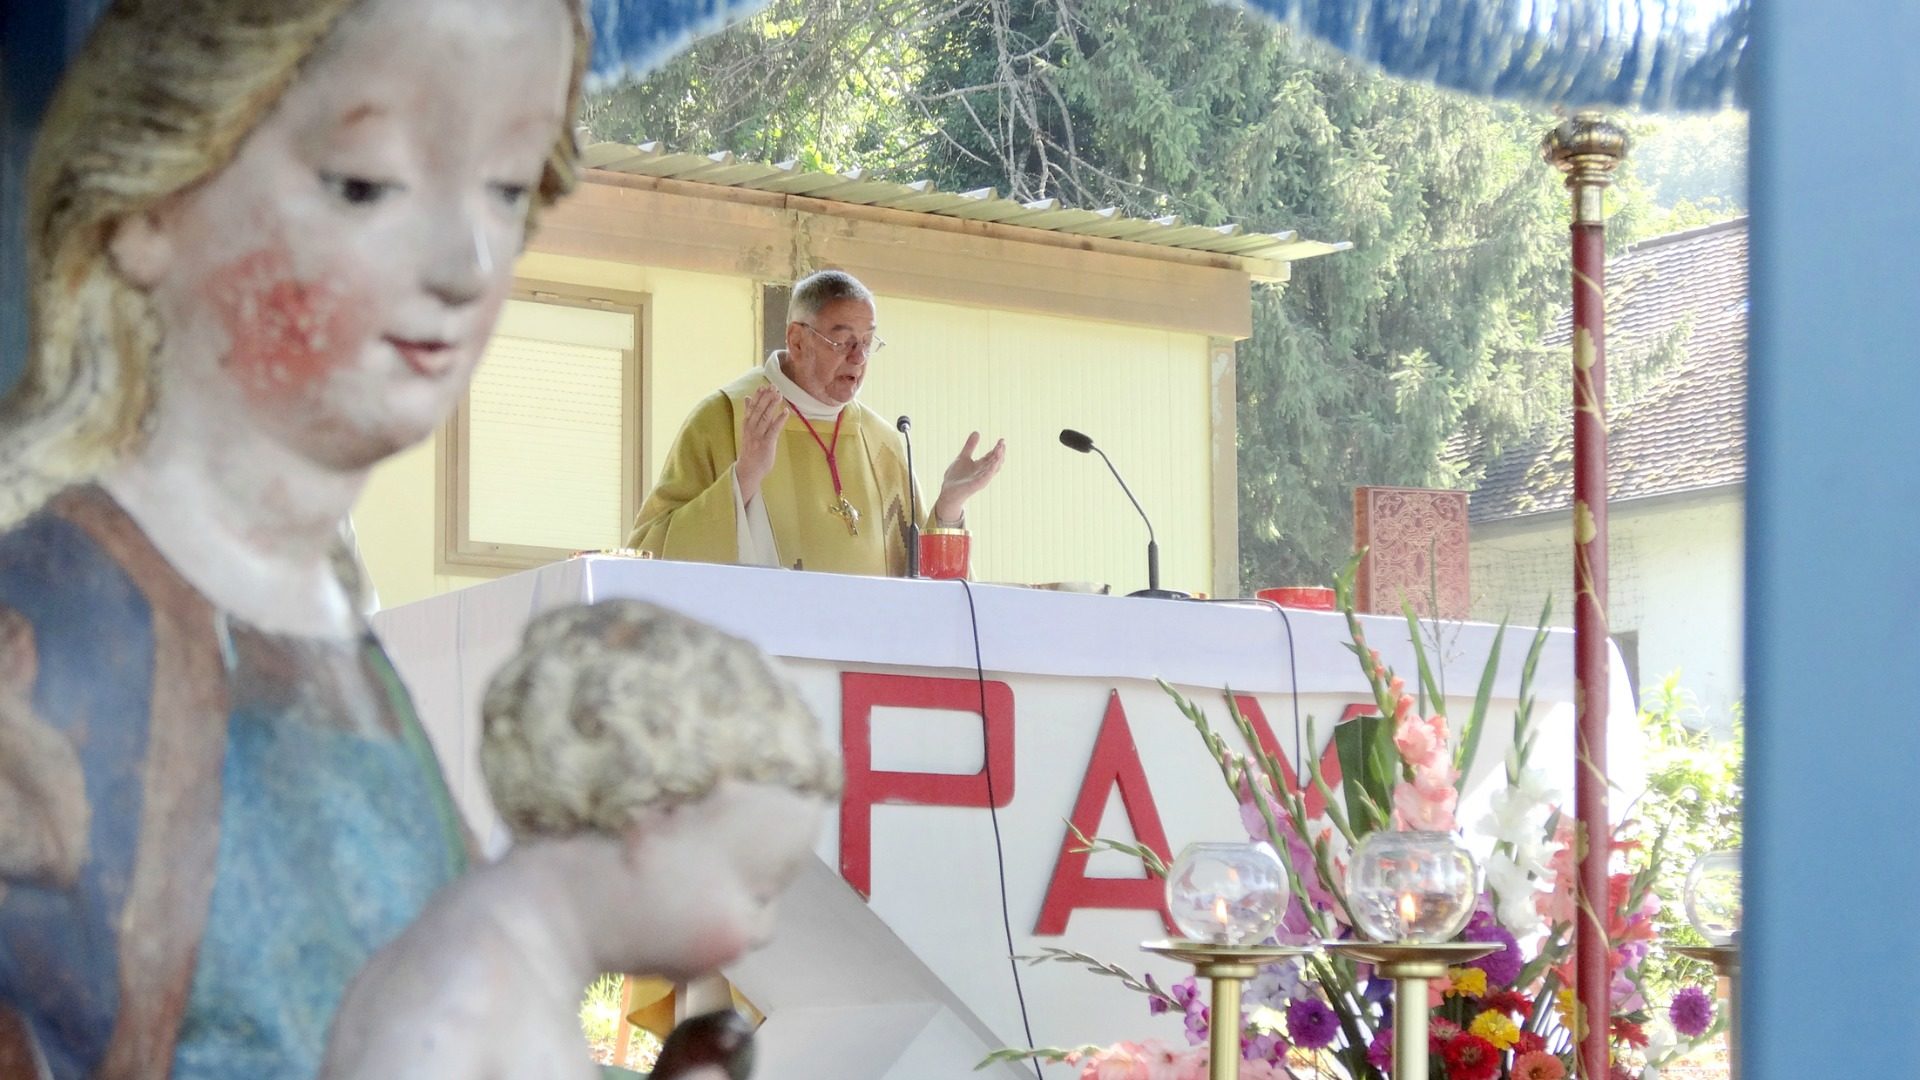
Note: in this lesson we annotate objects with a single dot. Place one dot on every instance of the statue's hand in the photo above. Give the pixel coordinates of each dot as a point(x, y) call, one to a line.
point(701, 1045)
point(43, 794)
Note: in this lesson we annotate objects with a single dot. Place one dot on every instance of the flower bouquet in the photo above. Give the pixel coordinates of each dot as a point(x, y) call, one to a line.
point(1510, 1015)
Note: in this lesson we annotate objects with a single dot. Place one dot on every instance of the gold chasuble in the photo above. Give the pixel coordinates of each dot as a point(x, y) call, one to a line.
point(690, 514)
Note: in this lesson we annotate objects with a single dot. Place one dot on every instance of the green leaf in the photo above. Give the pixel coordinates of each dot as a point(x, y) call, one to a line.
point(1368, 770)
point(1430, 690)
point(1470, 738)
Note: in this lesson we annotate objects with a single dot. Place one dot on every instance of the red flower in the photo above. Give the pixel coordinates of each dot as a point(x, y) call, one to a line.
point(1470, 1057)
point(1439, 1030)
point(1628, 1032)
point(1527, 1043)
point(1512, 1002)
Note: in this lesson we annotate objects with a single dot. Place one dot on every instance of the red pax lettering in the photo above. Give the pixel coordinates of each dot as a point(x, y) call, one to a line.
point(865, 786)
point(1329, 757)
point(1115, 761)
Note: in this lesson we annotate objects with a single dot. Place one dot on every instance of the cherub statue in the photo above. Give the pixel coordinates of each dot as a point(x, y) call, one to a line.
point(663, 786)
point(268, 241)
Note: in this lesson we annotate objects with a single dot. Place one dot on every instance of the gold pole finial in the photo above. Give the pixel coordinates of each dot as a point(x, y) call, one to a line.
point(1587, 147)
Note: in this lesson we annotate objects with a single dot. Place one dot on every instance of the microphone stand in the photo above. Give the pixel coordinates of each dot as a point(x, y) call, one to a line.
point(1153, 588)
point(912, 531)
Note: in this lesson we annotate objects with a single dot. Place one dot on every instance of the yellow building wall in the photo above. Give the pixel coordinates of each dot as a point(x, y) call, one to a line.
point(702, 330)
point(1052, 515)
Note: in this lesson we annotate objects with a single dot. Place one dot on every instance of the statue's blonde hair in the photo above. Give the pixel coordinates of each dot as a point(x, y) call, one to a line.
point(158, 100)
point(614, 708)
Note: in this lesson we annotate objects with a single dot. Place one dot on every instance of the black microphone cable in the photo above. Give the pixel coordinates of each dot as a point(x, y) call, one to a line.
point(993, 812)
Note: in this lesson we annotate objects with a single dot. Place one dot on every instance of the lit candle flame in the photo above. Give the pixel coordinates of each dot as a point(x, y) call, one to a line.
point(1409, 909)
point(1220, 910)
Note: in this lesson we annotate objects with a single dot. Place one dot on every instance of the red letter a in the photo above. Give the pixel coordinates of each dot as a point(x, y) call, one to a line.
point(1115, 761)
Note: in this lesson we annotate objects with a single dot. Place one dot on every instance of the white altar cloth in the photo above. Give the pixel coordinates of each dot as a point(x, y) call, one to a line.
point(1067, 662)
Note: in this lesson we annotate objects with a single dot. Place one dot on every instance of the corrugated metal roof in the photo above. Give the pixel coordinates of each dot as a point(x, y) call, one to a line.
point(985, 204)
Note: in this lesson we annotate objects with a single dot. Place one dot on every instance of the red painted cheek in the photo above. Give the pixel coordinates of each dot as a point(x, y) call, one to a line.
point(285, 335)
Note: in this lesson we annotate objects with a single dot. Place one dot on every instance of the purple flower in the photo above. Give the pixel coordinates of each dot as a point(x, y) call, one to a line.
point(1691, 1012)
point(1310, 1023)
point(1502, 966)
point(1198, 1022)
point(1261, 1046)
point(1380, 1050)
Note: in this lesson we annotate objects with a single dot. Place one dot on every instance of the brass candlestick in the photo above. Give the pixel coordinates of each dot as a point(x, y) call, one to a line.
point(1726, 964)
point(1410, 964)
point(1226, 967)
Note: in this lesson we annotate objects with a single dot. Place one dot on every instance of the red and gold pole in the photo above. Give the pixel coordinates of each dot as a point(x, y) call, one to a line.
point(1587, 149)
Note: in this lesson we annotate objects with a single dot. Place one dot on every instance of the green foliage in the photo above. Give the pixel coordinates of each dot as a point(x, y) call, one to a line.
point(600, 1022)
point(1363, 366)
point(1692, 806)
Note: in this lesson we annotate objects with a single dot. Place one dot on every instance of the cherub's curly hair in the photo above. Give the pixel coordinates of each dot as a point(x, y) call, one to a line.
point(614, 708)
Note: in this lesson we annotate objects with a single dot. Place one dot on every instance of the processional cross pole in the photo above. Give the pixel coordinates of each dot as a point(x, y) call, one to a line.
point(1588, 148)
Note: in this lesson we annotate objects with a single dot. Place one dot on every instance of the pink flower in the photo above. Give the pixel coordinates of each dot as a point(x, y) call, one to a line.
point(1254, 788)
point(1402, 708)
point(1422, 741)
point(1538, 1065)
point(1558, 906)
point(1148, 1060)
point(1426, 804)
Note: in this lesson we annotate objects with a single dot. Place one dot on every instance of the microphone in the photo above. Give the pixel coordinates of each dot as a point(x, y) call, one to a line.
point(1073, 440)
point(912, 531)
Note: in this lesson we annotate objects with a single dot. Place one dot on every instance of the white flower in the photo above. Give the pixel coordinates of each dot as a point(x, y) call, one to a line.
point(1517, 914)
point(1662, 1040)
point(1511, 884)
point(1533, 786)
point(1274, 986)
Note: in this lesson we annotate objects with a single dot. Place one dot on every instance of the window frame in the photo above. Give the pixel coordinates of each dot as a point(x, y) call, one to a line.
point(456, 550)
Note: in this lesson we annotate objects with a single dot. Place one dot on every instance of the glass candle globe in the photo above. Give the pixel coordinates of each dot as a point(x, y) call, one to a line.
point(1411, 886)
point(1713, 896)
point(1227, 894)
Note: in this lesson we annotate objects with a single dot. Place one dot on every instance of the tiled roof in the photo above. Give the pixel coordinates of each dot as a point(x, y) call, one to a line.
point(1687, 430)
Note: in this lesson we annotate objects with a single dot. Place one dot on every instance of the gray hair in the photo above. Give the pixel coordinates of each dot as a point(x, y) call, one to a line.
point(614, 708)
point(823, 287)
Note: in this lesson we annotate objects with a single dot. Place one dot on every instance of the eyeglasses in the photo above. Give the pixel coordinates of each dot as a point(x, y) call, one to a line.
point(871, 343)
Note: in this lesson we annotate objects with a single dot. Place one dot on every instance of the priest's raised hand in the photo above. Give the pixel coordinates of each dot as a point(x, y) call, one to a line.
point(967, 477)
point(766, 415)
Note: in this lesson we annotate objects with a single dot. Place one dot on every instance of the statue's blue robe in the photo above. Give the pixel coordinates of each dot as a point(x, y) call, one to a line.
point(265, 812)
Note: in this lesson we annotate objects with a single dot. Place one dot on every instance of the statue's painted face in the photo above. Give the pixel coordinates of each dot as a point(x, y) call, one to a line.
point(335, 284)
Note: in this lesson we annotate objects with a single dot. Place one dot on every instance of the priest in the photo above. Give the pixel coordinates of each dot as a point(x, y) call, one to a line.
point(784, 466)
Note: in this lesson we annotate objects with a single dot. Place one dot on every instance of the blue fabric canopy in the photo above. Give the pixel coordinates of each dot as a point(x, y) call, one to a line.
point(1644, 54)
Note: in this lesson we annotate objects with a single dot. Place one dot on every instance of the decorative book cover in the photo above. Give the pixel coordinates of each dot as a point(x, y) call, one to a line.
point(1414, 538)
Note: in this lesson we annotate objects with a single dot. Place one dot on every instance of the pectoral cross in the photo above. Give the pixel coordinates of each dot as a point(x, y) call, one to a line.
point(846, 511)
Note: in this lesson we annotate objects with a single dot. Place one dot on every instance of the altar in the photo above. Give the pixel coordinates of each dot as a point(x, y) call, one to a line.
point(977, 721)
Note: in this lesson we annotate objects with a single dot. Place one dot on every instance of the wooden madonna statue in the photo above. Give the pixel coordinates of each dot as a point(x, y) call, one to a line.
point(268, 241)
